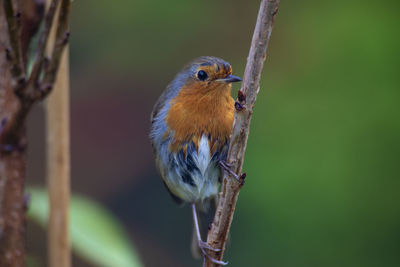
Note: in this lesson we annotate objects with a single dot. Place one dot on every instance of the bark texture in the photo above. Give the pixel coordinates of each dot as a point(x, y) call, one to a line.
point(247, 95)
point(19, 21)
point(12, 161)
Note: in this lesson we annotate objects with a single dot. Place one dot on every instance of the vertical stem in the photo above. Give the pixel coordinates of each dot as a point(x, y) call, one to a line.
point(247, 95)
point(58, 164)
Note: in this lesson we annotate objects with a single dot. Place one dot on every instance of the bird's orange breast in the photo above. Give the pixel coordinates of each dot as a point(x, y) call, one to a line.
point(201, 109)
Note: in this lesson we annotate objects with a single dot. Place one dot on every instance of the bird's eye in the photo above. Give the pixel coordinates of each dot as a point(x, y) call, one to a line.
point(202, 75)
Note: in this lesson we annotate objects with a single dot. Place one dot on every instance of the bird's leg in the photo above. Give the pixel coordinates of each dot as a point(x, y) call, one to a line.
point(203, 245)
point(228, 168)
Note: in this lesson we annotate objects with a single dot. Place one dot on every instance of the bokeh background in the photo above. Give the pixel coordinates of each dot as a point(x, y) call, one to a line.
point(322, 161)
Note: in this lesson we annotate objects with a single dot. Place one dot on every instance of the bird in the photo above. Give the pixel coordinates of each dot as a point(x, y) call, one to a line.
point(191, 125)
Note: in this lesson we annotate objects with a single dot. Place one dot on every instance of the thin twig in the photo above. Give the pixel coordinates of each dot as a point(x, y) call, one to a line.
point(14, 53)
point(62, 36)
point(40, 52)
point(218, 233)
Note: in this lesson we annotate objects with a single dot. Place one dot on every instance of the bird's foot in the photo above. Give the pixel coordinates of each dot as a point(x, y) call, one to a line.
point(204, 246)
point(228, 168)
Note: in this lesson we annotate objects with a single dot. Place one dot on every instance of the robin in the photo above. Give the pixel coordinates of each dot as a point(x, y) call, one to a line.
point(190, 133)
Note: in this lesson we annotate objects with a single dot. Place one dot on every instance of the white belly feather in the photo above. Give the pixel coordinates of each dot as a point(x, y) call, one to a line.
point(205, 180)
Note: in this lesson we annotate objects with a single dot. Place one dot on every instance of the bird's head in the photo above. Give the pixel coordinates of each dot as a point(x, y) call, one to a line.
point(206, 74)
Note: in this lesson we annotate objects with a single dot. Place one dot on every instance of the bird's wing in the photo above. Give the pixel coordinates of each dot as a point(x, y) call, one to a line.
point(157, 107)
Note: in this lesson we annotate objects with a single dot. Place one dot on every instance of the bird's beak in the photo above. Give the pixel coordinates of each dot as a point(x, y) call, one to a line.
point(230, 79)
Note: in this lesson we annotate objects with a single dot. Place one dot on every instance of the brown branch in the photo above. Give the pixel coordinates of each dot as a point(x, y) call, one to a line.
point(62, 36)
point(34, 90)
point(12, 158)
point(14, 53)
point(14, 109)
point(247, 95)
point(41, 48)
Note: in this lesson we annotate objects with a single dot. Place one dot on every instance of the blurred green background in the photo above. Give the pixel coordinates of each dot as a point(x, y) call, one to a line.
point(323, 155)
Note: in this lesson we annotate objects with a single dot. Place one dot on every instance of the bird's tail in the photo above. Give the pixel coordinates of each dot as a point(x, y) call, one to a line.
point(205, 214)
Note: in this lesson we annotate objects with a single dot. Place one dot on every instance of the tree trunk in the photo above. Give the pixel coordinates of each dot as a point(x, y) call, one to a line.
point(19, 21)
point(12, 165)
point(12, 215)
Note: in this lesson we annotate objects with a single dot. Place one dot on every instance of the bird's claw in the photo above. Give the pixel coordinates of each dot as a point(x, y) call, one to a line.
point(203, 246)
point(228, 168)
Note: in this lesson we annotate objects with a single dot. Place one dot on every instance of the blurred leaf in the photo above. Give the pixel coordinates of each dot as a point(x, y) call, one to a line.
point(96, 235)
